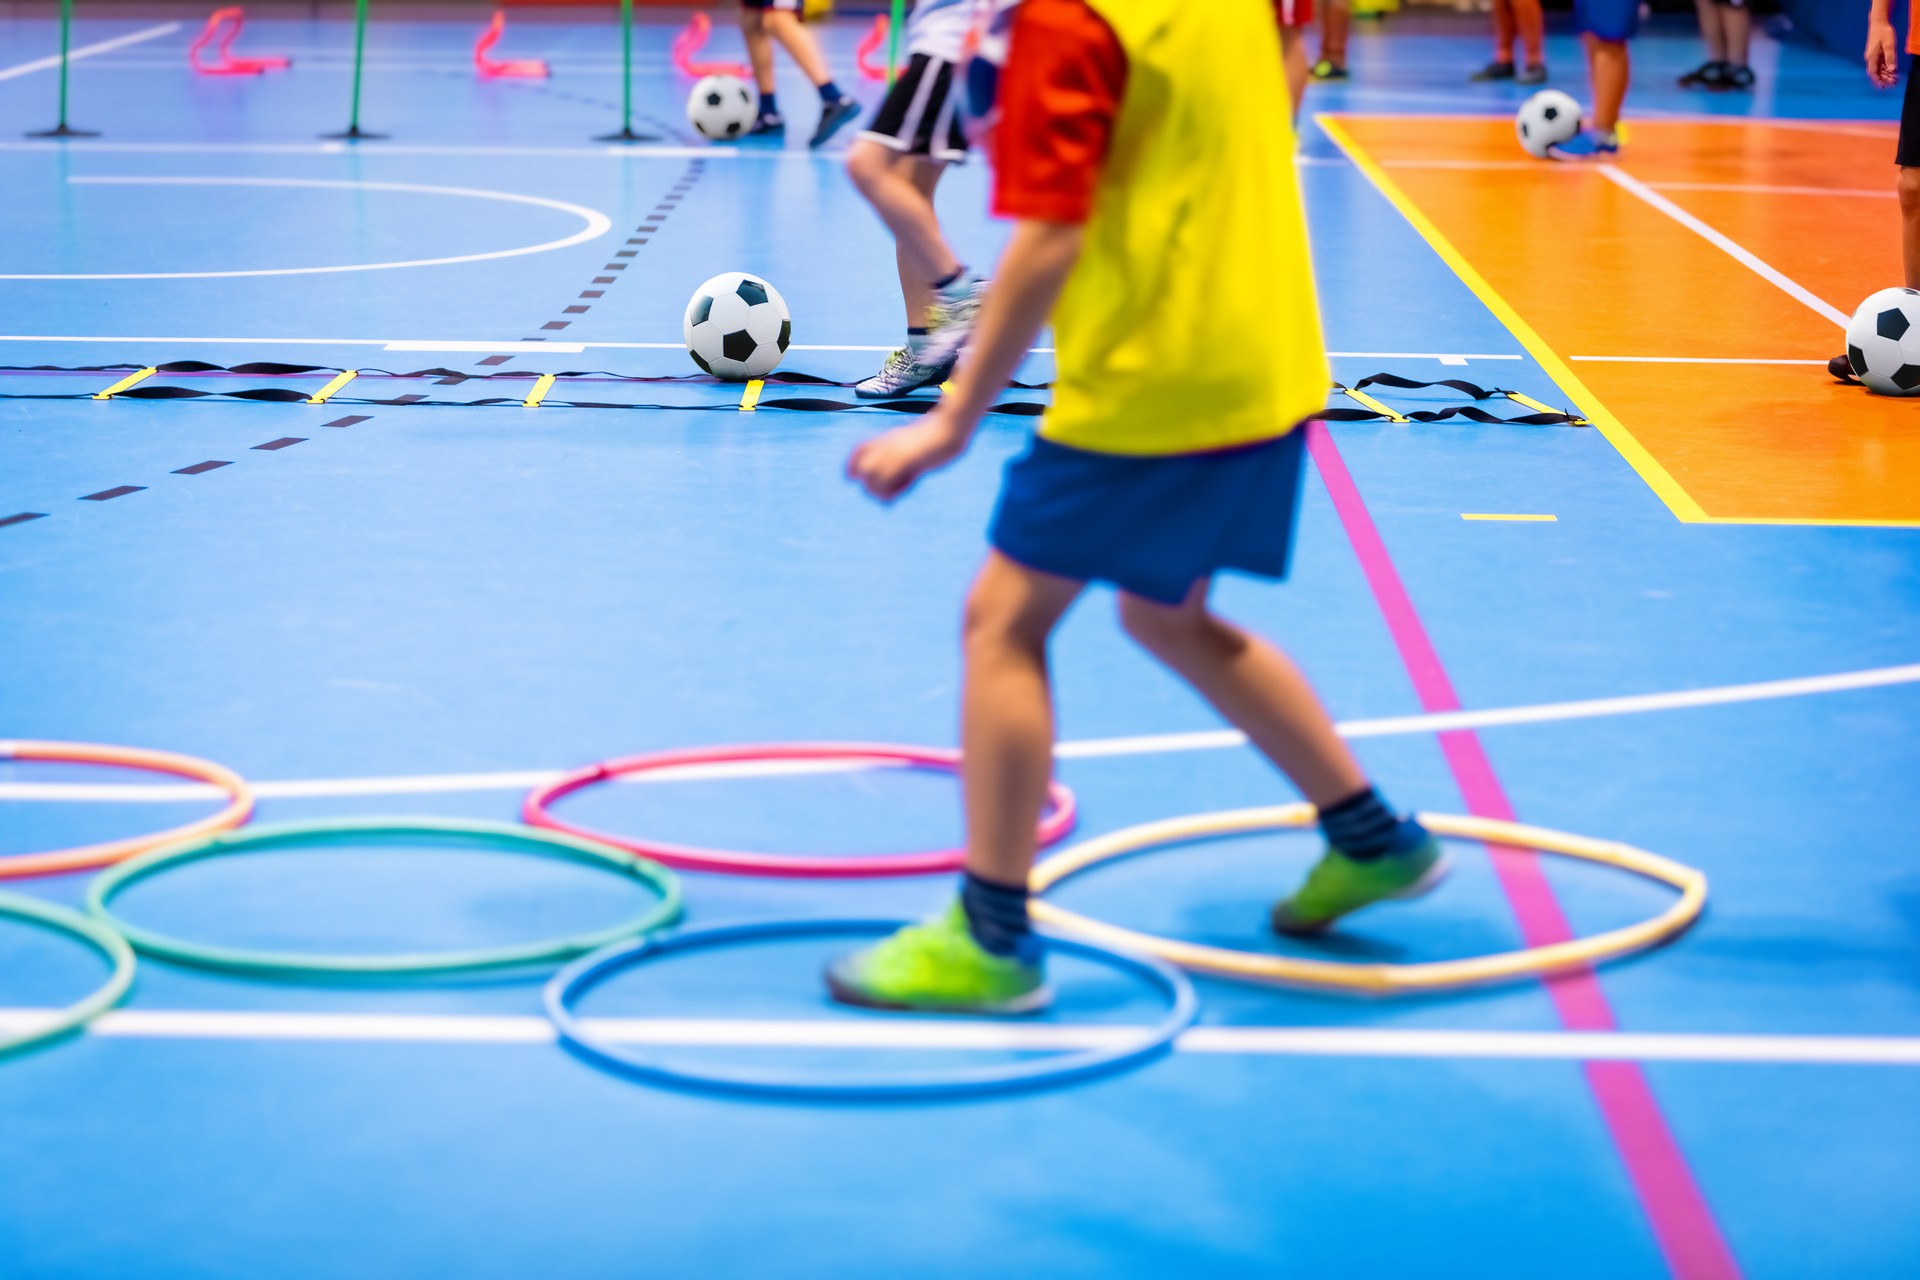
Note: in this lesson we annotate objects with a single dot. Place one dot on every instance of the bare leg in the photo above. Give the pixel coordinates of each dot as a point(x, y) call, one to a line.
point(1711, 31)
point(1532, 24)
point(1611, 68)
point(1006, 725)
point(1254, 686)
point(1336, 25)
point(900, 189)
point(1910, 224)
point(1503, 30)
point(1293, 52)
point(799, 44)
point(753, 26)
point(1736, 26)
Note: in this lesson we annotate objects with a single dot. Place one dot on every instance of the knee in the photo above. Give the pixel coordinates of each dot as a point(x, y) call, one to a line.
point(994, 624)
point(1909, 187)
point(867, 164)
point(1163, 628)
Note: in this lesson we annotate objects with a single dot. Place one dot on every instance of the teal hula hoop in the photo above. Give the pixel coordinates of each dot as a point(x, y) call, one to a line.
point(339, 831)
point(102, 938)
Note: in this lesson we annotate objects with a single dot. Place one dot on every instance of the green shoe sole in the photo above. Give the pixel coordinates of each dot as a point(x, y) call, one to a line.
point(1035, 1001)
point(1428, 881)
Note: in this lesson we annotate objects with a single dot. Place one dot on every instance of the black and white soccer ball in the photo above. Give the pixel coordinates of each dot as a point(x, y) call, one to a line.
point(1547, 119)
point(737, 327)
point(1883, 342)
point(722, 107)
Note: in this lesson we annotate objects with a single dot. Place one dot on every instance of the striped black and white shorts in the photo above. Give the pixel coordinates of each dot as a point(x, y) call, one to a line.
point(921, 116)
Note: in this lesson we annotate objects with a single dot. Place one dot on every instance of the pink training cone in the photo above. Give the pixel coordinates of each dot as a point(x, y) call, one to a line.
point(870, 46)
point(491, 68)
point(690, 41)
point(224, 27)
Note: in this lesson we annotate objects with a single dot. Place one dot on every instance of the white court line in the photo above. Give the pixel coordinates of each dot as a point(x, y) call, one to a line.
point(187, 1024)
point(1686, 360)
point(1085, 749)
point(597, 225)
point(1759, 189)
point(89, 50)
point(1633, 186)
point(629, 151)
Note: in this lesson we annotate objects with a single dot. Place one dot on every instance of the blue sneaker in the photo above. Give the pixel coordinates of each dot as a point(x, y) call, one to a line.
point(833, 117)
point(1588, 144)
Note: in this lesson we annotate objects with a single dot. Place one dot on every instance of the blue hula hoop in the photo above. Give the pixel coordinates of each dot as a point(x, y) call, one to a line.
point(1058, 1069)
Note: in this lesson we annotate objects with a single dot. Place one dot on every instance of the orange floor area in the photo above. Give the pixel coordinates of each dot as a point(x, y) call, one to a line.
point(1584, 267)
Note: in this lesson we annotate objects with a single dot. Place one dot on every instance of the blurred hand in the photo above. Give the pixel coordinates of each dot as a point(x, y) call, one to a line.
point(890, 464)
point(1883, 55)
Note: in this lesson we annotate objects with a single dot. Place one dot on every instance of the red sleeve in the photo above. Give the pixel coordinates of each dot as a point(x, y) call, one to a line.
point(1059, 97)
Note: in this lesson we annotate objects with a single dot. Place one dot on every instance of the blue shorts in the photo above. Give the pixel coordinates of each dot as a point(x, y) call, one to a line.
point(1152, 526)
point(1616, 20)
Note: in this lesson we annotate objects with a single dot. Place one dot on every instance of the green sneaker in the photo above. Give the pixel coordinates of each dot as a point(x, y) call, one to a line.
point(1338, 885)
point(937, 967)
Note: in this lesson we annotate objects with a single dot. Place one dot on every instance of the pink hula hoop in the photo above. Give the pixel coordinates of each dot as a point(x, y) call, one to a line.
point(1054, 824)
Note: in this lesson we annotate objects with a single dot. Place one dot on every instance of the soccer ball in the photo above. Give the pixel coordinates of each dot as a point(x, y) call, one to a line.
point(737, 327)
point(722, 107)
point(1546, 119)
point(1883, 342)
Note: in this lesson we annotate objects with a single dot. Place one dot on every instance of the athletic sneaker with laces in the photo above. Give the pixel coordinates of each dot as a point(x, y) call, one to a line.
point(936, 967)
point(1339, 885)
point(1495, 70)
point(834, 116)
point(950, 324)
point(1532, 75)
point(904, 371)
point(1588, 144)
point(768, 125)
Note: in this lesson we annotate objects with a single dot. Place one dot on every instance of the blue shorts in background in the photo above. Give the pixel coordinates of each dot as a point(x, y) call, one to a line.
point(1617, 20)
point(1155, 525)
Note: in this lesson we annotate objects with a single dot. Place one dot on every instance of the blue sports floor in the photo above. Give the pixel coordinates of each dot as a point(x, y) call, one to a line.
point(422, 609)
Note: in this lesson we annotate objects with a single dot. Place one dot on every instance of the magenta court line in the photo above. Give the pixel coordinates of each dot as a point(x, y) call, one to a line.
point(1682, 1221)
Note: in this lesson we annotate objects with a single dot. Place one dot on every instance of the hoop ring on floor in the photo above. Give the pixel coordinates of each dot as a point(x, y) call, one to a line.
point(101, 938)
point(351, 830)
point(85, 857)
point(1054, 824)
point(589, 971)
point(1376, 979)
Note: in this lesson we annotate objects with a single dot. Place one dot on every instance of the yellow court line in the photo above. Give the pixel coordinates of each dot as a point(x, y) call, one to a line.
point(751, 396)
point(340, 380)
point(1678, 500)
point(1484, 515)
point(124, 383)
point(541, 386)
point(1362, 397)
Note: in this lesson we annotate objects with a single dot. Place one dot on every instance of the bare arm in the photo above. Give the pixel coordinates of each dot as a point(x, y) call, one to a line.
point(1039, 258)
point(1883, 46)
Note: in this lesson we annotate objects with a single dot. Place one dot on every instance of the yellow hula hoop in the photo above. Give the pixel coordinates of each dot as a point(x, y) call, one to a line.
point(239, 806)
point(1376, 979)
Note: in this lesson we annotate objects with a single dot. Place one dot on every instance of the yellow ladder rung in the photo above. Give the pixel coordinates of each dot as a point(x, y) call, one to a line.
point(124, 383)
point(1381, 409)
point(751, 396)
point(340, 380)
point(540, 388)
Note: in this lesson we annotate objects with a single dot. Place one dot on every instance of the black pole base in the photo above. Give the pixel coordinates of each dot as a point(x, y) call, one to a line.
point(64, 130)
point(628, 135)
point(355, 133)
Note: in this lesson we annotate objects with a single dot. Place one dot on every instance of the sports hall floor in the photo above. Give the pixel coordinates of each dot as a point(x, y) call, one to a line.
point(424, 609)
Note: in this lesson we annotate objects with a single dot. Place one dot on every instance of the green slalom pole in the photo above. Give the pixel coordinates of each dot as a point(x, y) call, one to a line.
point(898, 21)
point(354, 131)
point(626, 133)
point(62, 130)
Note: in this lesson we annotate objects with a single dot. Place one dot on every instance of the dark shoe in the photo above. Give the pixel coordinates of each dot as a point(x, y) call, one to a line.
point(1532, 75)
point(1708, 75)
point(1326, 69)
point(768, 126)
point(1841, 367)
point(833, 117)
point(1736, 79)
point(1493, 71)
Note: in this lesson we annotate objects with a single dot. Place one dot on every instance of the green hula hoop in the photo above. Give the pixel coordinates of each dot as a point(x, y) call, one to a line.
point(293, 964)
point(104, 939)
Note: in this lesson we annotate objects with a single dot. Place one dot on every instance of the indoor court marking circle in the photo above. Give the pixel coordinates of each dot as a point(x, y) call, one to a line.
point(598, 224)
point(238, 808)
point(101, 938)
point(347, 830)
point(1054, 824)
point(1183, 1006)
point(1376, 979)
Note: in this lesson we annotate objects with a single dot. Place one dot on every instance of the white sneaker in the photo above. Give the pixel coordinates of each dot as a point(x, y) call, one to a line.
point(956, 310)
point(903, 372)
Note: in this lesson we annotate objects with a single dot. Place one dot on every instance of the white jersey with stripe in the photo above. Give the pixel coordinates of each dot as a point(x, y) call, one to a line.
point(939, 28)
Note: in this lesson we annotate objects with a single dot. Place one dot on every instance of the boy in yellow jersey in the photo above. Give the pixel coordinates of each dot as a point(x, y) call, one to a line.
point(1160, 225)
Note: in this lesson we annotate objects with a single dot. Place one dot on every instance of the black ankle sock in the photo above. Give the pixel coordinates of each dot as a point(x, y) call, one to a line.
point(769, 107)
point(944, 281)
point(996, 914)
point(917, 333)
point(1363, 827)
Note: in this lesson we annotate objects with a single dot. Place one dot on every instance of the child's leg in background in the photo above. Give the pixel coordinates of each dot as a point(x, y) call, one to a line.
point(1293, 51)
point(1910, 224)
point(1736, 27)
point(1531, 22)
point(1504, 31)
point(900, 188)
point(753, 26)
point(1712, 33)
point(1336, 27)
point(1611, 68)
point(791, 32)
